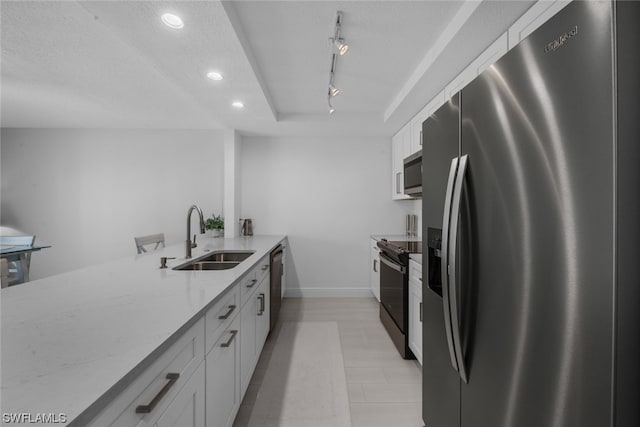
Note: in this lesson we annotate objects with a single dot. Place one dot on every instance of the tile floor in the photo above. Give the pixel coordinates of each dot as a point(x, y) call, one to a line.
point(384, 390)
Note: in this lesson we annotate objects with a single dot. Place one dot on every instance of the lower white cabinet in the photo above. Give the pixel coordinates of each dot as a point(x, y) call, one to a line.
point(161, 392)
point(255, 328)
point(374, 269)
point(187, 408)
point(185, 388)
point(415, 309)
point(223, 377)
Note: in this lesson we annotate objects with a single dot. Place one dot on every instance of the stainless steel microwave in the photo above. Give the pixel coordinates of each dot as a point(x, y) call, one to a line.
point(413, 175)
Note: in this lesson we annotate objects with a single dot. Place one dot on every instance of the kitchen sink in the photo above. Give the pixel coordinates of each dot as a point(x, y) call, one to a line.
point(227, 256)
point(219, 260)
point(208, 265)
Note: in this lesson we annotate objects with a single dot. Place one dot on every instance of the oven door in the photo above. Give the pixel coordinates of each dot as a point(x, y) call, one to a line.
point(393, 290)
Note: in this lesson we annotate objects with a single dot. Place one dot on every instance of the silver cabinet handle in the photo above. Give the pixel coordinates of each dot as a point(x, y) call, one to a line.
point(420, 312)
point(261, 298)
point(265, 267)
point(444, 260)
point(228, 313)
point(253, 282)
point(453, 284)
point(375, 265)
point(228, 343)
point(420, 137)
point(398, 182)
point(145, 409)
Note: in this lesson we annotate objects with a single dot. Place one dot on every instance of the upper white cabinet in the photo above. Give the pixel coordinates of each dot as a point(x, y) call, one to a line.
point(416, 122)
point(537, 15)
point(400, 146)
point(481, 63)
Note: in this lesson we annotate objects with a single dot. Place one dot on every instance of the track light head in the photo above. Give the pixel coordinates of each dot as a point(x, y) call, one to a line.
point(341, 46)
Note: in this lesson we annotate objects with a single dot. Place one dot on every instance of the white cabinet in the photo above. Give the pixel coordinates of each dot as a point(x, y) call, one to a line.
point(160, 392)
point(284, 270)
point(187, 409)
point(537, 15)
point(400, 146)
point(416, 122)
point(223, 377)
point(254, 323)
point(374, 269)
point(262, 316)
point(415, 309)
point(183, 387)
point(481, 63)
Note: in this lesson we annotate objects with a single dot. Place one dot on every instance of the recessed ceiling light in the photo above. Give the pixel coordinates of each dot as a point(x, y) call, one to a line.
point(237, 104)
point(214, 75)
point(172, 21)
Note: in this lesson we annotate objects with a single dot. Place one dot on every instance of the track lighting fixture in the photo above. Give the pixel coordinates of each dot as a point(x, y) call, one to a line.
point(339, 47)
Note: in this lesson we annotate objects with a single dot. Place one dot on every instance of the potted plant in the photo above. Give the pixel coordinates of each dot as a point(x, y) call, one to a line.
point(215, 224)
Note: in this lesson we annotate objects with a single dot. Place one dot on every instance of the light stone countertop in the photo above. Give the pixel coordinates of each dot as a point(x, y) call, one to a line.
point(396, 237)
point(72, 342)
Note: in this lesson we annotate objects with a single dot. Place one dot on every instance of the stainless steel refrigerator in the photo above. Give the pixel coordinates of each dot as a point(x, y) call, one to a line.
point(531, 232)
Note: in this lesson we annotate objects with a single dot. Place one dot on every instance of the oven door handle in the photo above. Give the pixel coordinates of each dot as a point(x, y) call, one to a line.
point(392, 264)
point(444, 261)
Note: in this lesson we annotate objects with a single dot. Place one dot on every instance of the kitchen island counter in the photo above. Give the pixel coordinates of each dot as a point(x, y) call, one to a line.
point(73, 342)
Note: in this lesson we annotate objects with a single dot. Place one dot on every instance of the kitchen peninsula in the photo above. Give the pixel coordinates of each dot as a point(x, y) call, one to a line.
point(72, 343)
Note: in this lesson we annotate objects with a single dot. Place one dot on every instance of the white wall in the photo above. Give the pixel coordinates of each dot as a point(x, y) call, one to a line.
point(328, 195)
point(89, 192)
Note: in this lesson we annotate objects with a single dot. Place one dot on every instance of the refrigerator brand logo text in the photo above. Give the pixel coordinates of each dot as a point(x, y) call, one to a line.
point(560, 40)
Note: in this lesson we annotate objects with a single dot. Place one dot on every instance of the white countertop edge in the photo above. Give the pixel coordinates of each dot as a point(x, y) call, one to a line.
point(396, 237)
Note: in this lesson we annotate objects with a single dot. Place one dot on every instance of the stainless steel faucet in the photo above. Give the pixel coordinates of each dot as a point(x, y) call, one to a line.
point(188, 242)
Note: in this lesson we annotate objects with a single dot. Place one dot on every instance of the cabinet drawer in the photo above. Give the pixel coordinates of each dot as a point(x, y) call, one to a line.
point(248, 286)
point(182, 358)
point(220, 315)
point(262, 269)
point(187, 409)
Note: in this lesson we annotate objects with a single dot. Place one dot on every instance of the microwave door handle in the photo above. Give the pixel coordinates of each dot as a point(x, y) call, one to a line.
point(453, 283)
point(444, 260)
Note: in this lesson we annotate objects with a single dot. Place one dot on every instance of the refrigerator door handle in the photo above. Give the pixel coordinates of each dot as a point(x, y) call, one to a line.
point(453, 284)
point(444, 259)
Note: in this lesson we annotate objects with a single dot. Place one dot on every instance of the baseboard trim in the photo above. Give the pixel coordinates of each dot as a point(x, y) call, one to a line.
point(329, 293)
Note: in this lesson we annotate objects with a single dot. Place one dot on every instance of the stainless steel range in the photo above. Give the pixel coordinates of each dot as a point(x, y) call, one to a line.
point(394, 290)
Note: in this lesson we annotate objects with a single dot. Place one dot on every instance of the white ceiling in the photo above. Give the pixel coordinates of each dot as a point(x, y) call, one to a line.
point(113, 64)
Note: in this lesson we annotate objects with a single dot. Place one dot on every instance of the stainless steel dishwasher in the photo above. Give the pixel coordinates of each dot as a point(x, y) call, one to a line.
point(277, 271)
